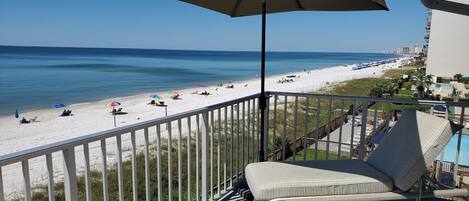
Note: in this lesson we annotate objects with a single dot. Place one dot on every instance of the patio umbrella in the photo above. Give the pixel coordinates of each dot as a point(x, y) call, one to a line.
point(239, 8)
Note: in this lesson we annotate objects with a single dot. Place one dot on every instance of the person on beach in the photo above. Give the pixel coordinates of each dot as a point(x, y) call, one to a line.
point(205, 93)
point(66, 113)
point(27, 121)
point(24, 121)
point(176, 96)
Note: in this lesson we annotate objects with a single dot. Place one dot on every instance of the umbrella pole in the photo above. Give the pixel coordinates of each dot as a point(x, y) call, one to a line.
point(262, 98)
point(114, 115)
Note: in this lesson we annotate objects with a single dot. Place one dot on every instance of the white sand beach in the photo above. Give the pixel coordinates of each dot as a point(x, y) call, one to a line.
point(92, 117)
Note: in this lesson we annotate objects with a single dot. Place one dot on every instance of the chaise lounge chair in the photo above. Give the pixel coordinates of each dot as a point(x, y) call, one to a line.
point(398, 162)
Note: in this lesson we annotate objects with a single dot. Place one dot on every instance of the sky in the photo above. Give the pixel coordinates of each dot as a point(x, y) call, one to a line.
point(171, 24)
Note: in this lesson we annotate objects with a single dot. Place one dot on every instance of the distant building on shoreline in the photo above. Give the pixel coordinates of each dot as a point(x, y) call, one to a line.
point(448, 48)
point(411, 50)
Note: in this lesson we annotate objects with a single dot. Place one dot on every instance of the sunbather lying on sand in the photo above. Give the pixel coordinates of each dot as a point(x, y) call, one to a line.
point(66, 113)
point(205, 93)
point(118, 111)
point(26, 121)
point(176, 97)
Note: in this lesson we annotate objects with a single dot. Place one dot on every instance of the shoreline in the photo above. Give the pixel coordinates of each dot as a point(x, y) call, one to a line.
point(166, 92)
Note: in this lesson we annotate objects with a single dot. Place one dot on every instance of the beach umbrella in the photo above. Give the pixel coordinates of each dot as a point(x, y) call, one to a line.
point(113, 104)
point(239, 8)
point(156, 97)
point(58, 105)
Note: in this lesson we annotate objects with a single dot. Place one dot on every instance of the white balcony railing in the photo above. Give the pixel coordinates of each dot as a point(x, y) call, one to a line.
point(201, 154)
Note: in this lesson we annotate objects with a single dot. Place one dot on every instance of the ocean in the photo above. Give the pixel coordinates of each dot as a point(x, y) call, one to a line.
point(37, 77)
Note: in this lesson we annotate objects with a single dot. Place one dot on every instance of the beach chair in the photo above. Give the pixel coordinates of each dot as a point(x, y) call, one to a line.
point(160, 103)
point(391, 170)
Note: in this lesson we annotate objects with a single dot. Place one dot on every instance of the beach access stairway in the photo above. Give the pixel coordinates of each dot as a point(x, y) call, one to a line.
point(201, 154)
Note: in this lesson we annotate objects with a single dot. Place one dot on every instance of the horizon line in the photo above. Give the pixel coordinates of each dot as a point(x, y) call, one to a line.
point(175, 49)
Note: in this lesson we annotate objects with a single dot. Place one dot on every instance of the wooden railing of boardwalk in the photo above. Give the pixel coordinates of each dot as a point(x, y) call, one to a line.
point(324, 130)
point(298, 145)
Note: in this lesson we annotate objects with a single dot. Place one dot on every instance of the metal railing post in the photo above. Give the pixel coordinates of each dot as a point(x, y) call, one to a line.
point(2, 198)
point(205, 157)
point(458, 150)
point(265, 132)
point(70, 175)
point(364, 119)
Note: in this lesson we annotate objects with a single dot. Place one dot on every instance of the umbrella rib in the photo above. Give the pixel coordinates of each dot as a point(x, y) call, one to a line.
point(235, 8)
point(299, 4)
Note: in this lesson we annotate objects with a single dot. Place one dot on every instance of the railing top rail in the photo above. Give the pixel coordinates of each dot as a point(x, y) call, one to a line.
point(364, 98)
point(54, 147)
point(57, 146)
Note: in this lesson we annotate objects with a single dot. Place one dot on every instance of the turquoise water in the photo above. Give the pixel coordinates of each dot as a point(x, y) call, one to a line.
point(36, 77)
point(450, 150)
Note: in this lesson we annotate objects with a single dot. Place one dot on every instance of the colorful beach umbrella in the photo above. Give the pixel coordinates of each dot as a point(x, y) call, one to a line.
point(58, 105)
point(113, 104)
point(156, 97)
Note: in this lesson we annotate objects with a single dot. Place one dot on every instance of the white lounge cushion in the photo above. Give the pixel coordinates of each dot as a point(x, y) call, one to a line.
point(270, 180)
point(410, 148)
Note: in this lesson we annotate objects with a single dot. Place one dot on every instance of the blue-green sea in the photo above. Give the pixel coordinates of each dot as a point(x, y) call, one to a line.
point(36, 77)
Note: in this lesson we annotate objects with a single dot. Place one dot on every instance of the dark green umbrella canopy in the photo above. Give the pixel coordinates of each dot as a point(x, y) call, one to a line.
point(238, 8)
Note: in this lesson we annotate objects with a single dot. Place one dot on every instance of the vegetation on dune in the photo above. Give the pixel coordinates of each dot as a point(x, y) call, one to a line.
point(40, 191)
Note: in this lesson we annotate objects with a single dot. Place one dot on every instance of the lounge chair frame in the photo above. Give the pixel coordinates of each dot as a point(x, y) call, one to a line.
point(448, 193)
